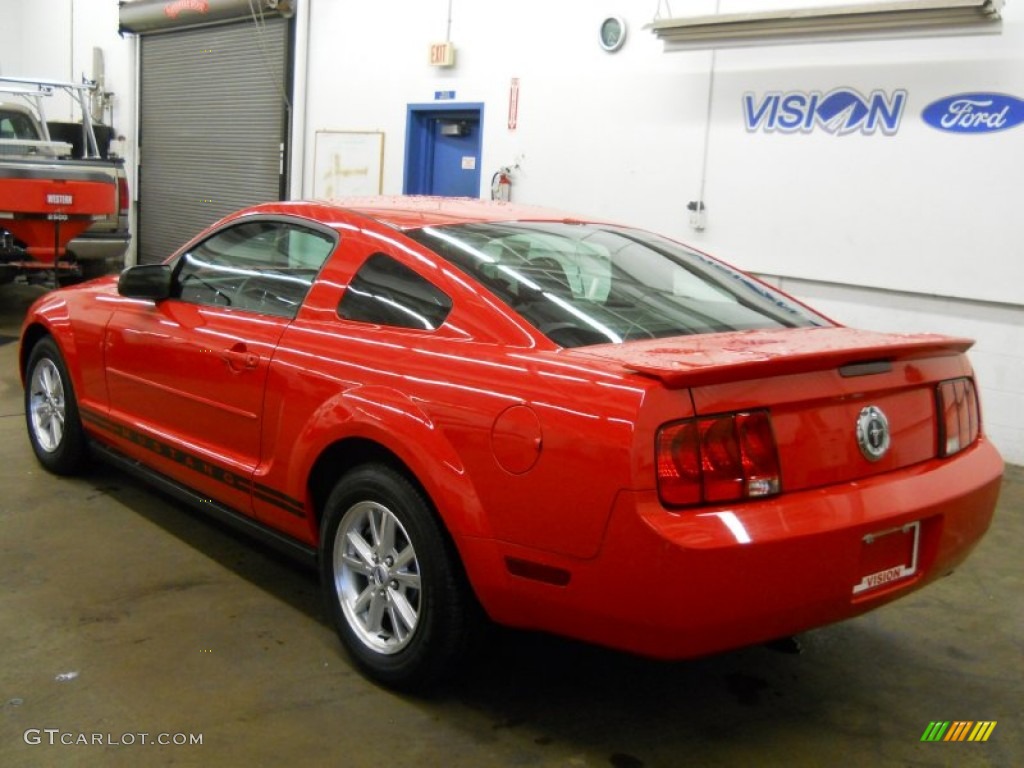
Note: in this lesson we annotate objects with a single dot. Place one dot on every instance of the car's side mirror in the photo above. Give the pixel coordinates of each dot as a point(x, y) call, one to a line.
point(147, 281)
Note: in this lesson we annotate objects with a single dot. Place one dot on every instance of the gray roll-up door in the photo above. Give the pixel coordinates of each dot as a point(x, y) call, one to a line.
point(212, 129)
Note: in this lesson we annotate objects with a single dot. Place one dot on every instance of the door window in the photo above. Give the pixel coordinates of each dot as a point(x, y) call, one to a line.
point(260, 266)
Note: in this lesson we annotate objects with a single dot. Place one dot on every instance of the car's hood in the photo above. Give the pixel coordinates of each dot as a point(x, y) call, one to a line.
point(688, 361)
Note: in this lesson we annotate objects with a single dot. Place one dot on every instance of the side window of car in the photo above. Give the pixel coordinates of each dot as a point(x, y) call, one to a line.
point(260, 266)
point(386, 292)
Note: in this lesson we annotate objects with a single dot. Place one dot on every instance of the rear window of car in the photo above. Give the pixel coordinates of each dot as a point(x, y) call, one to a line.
point(15, 125)
point(582, 284)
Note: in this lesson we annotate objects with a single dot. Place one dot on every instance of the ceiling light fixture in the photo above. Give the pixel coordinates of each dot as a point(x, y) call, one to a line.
point(864, 21)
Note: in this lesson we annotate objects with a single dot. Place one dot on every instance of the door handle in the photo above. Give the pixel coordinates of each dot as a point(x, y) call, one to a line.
point(239, 358)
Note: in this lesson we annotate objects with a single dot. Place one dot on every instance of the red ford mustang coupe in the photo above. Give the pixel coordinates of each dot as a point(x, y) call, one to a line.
point(461, 410)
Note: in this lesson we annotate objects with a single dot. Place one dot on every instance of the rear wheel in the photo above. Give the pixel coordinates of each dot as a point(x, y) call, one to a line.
point(394, 587)
point(51, 412)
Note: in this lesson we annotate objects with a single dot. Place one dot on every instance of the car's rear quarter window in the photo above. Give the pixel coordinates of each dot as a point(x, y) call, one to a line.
point(386, 292)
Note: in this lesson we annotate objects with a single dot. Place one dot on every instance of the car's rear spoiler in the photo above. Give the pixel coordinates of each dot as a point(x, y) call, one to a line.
point(689, 361)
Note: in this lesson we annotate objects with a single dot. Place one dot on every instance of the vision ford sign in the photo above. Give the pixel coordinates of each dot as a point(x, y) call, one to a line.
point(840, 112)
point(974, 113)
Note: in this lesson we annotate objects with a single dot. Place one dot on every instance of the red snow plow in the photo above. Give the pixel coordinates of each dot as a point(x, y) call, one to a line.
point(47, 205)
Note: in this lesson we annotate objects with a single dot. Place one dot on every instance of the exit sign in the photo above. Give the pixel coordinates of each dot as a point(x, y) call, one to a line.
point(442, 55)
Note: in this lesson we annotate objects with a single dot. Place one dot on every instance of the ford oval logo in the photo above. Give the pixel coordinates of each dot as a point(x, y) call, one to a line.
point(872, 433)
point(975, 113)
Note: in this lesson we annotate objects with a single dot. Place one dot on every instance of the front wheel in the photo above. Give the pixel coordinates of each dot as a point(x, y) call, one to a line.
point(51, 411)
point(394, 587)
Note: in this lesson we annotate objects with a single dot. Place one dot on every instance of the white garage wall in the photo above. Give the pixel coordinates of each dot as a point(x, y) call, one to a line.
point(10, 35)
point(915, 231)
point(54, 39)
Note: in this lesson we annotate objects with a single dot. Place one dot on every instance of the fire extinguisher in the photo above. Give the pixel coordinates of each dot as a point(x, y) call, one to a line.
point(501, 184)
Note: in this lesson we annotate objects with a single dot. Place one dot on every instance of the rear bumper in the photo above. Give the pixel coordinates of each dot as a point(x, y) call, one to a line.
point(109, 248)
point(677, 585)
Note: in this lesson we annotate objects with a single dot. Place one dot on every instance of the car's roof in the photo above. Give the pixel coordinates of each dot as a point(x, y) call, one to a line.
point(413, 212)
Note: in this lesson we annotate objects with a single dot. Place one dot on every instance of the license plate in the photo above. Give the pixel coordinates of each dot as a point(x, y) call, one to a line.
point(888, 556)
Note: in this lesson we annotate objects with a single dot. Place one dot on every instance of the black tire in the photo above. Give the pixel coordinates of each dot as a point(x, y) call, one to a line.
point(51, 411)
point(394, 586)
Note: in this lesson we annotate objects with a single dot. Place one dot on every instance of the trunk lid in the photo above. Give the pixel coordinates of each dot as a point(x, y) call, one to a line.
point(816, 383)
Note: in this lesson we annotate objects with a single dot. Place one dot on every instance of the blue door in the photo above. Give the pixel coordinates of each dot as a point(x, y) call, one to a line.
point(443, 150)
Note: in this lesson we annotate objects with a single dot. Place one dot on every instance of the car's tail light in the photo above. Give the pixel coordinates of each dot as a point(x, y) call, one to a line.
point(959, 421)
point(723, 458)
point(122, 195)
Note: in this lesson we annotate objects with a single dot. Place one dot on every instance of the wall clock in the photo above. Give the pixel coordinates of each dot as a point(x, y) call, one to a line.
point(613, 33)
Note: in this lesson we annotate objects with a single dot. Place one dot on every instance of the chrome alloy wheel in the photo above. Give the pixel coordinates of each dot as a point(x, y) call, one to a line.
point(377, 577)
point(47, 407)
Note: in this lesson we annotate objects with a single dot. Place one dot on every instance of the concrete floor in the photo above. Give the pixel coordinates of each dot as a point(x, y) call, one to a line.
point(122, 613)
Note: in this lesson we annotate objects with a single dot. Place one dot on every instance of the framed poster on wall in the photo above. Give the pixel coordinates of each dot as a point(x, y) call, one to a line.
point(348, 163)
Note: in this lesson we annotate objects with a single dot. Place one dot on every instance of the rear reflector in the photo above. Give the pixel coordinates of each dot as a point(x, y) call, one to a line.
point(717, 459)
point(528, 569)
point(959, 421)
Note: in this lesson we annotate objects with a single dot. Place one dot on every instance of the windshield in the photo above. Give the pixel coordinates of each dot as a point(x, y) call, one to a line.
point(583, 284)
